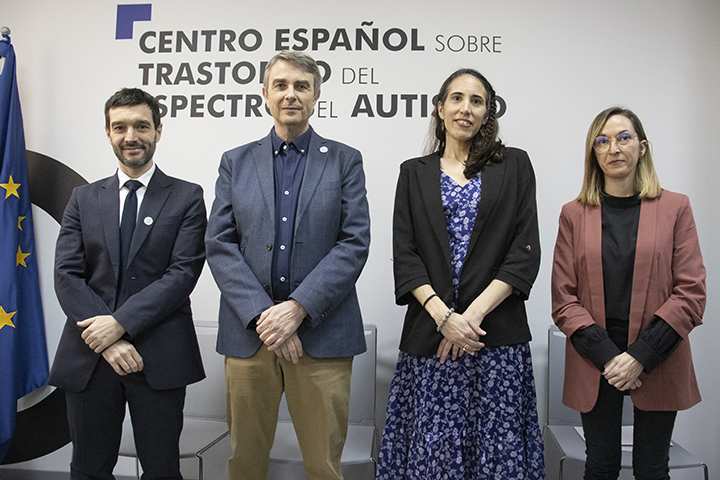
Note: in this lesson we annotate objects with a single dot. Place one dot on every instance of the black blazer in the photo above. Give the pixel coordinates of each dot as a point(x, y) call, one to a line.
point(166, 257)
point(504, 244)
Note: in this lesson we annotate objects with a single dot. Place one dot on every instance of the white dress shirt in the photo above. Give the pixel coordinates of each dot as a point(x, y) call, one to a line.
point(144, 179)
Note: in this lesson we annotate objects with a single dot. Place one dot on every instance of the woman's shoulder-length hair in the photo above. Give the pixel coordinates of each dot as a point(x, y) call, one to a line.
point(647, 184)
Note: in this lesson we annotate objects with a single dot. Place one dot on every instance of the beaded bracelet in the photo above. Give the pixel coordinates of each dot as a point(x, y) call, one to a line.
point(445, 319)
point(429, 298)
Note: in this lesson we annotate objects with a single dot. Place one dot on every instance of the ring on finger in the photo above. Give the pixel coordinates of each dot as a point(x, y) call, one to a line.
point(465, 348)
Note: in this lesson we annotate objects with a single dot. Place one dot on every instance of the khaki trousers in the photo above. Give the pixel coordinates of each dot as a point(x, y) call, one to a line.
point(317, 391)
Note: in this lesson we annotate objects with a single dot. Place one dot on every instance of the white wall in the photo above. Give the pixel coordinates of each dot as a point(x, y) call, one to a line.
point(557, 64)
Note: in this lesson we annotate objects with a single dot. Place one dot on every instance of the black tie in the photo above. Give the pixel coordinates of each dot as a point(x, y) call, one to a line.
point(127, 227)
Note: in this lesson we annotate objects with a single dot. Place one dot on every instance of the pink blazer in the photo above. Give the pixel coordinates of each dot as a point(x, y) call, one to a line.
point(668, 281)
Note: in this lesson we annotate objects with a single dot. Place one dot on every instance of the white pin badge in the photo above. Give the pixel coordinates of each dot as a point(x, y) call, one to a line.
point(323, 149)
point(148, 221)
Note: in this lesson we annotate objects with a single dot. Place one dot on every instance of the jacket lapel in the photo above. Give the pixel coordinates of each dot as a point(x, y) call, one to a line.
point(317, 157)
point(492, 180)
point(644, 252)
point(263, 158)
point(428, 176)
point(593, 255)
point(155, 196)
point(109, 201)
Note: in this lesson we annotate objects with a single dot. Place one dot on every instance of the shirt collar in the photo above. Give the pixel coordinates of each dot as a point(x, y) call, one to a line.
point(302, 143)
point(144, 178)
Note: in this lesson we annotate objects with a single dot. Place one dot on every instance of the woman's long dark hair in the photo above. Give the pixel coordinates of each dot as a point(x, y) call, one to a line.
point(486, 147)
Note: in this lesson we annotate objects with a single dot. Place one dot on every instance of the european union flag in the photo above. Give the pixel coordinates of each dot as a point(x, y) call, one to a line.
point(23, 350)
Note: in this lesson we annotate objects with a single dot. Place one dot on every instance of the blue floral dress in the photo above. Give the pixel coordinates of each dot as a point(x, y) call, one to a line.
point(471, 418)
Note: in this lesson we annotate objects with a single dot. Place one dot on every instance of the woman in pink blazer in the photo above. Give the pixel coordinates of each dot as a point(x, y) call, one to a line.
point(628, 286)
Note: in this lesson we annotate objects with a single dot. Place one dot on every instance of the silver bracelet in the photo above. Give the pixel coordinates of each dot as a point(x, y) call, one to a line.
point(445, 318)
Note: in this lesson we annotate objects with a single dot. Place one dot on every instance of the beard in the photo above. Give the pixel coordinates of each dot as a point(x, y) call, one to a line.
point(135, 163)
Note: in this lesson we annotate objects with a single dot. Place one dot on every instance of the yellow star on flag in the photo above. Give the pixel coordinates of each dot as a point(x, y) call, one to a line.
point(5, 318)
point(10, 188)
point(21, 258)
point(20, 219)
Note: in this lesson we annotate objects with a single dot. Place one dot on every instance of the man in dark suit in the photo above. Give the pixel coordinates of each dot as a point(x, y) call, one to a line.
point(288, 236)
point(129, 253)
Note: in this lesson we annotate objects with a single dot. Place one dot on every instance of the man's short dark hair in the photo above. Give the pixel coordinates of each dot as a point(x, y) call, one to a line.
point(129, 97)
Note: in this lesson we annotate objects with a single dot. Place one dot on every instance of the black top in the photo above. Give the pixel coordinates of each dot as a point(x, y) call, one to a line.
point(620, 218)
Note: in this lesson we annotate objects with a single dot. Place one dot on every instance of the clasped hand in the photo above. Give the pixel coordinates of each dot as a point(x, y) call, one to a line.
point(462, 335)
point(123, 357)
point(622, 372)
point(277, 327)
point(101, 332)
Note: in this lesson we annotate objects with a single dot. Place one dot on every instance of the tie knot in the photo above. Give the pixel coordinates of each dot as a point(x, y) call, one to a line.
point(133, 185)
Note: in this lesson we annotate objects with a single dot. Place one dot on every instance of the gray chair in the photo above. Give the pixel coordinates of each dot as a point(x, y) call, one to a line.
point(359, 454)
point(204, 414)
point(564, 445)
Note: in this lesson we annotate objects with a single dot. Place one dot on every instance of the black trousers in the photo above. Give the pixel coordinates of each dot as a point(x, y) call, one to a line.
point(96, 415)
point(603, 431)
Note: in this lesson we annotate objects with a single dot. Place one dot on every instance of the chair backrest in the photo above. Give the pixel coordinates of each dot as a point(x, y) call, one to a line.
point(362, 385)
point(559, 414)
point(206, 398)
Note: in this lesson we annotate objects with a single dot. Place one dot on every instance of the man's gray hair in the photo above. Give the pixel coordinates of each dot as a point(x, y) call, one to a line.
point(301, 60)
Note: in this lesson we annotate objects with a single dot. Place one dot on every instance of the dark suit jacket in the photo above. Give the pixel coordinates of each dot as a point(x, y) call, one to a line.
point(165, 261)
point(668, 281)
point(504, 244)
point(331, 243)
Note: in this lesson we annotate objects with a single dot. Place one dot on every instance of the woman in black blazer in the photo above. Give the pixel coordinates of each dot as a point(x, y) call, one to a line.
point(466, 253)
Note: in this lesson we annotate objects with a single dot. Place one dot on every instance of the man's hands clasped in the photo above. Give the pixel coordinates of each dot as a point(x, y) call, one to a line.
point(103, 335)
point(277, 327)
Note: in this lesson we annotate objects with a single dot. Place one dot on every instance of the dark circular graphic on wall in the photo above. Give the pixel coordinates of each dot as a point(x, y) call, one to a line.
point(43, 428)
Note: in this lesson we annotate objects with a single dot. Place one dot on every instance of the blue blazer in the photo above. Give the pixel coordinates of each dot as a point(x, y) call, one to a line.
point(330, 246)
point(165, 261)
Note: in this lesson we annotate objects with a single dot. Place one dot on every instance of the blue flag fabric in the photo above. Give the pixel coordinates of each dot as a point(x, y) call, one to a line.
point(23, 349)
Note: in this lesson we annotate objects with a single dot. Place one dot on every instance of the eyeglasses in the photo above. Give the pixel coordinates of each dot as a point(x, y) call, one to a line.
point(624, 140)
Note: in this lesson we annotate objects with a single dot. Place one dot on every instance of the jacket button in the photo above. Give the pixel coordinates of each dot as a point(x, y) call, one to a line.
point(269, 247)
point(527, 248)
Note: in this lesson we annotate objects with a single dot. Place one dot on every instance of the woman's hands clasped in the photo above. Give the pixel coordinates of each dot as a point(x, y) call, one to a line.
point(462, 335)
point(461, 331)
point(622, 372)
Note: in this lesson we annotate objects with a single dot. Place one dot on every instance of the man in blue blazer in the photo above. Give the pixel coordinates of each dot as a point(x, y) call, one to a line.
point(288, 236)
point(129, 253)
